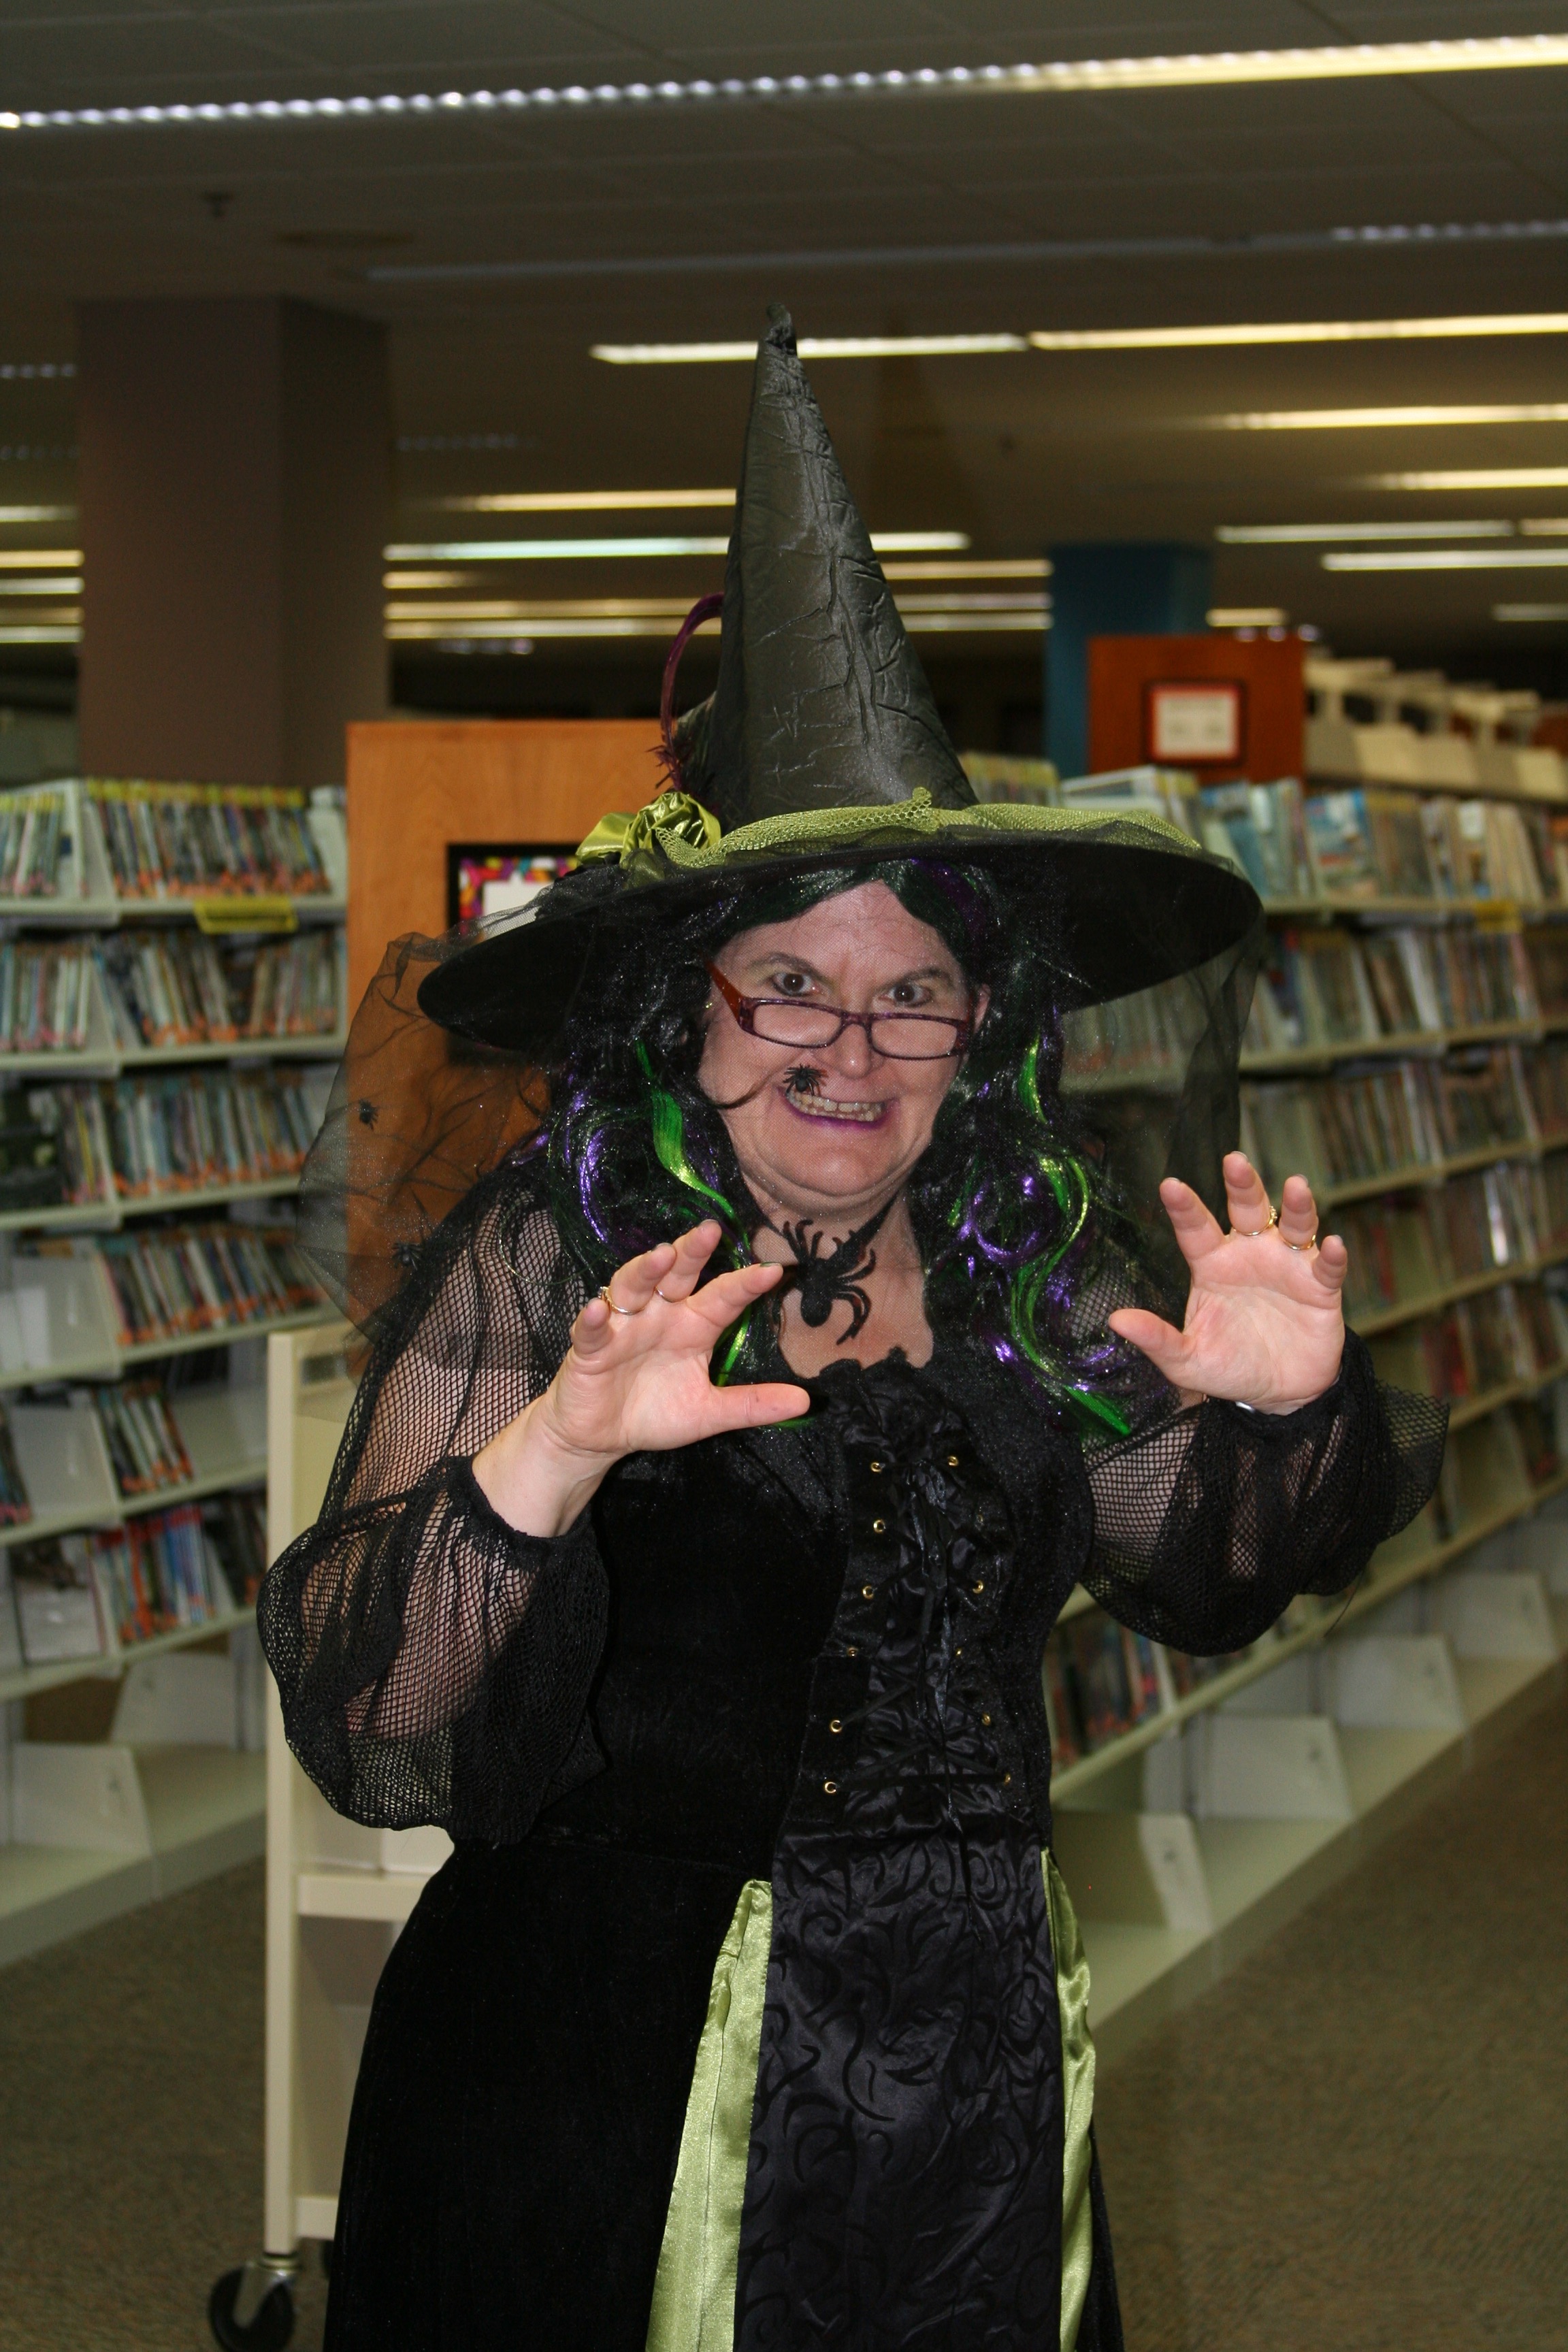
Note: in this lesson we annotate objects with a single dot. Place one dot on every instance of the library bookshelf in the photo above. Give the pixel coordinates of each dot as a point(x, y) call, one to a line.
point(130, 1759)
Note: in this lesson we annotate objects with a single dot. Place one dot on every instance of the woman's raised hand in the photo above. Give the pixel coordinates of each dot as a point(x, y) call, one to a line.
point(1263, 1325)
point(634, 1380)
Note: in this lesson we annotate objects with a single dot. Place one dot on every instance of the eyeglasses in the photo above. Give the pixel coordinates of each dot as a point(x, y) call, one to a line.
point(899, 1036)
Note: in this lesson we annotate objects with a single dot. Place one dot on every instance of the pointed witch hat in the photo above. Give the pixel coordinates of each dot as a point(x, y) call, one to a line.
point(821, 746)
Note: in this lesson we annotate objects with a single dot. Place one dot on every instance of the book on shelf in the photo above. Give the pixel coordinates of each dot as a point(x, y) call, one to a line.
point(197, 840)
point(14, 1507)
point(1546, 1077)
point(1546, 945)
point(1261, 828)
point(41, 841)
point(145, 1448)
point(45, 995)
point(175, 1281)
point(1321, 987)
point(138, 1137)
point(1366, 844)
point(169, 989)
point(168, 1569)
point(1516, 1333)
point(1397, 1120)
point(1101, 1680)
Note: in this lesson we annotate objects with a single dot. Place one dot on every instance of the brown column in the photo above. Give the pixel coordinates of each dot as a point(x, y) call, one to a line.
point(236, 491)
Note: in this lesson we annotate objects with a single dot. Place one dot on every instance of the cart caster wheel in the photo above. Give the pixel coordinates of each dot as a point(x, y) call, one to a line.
point(265, 2326)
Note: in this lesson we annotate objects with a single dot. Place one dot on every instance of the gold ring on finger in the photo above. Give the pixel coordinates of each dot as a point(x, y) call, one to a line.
point(1301, 1248)
point(604, 1295)
point(1261, 1230)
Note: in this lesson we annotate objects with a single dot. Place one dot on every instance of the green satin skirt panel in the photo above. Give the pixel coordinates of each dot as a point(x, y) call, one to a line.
point(1077, 2101)
point(694, 2291)
point(694, 2288)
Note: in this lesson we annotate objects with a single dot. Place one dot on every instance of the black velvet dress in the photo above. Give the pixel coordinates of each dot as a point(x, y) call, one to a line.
point(801, 1665)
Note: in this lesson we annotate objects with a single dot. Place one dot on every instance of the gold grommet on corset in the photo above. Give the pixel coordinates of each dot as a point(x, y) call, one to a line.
point(978, 1585)
point(867, 1593)
point(830, 1788)
point(834, 1724)
point(875, 1466)
point(953, 1461)
point(879, 1527)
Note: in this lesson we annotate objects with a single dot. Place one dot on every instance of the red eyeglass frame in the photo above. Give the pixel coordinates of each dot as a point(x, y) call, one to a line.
point(745, 1009)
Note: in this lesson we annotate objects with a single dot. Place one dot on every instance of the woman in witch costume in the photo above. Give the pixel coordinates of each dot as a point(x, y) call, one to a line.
point(723, 1463)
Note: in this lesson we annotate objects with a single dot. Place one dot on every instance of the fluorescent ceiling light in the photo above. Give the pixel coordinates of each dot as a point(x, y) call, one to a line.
point(1338, 63)
point(535, 551)
point(1307, 420)
point(1008, 567)
point(1476, 477)
point(1453, 559)
point(1529, 612)
point(1246, 616)
point(34, 370)
point(35, 559)
point(810, 347)
point(1023, 611)
point(583, 501)
point(425, 578)
point(41, 633)
point(1321, 330)
point(37, 514)
point(1545, 527)
point(1287, 534)
point(50, 585)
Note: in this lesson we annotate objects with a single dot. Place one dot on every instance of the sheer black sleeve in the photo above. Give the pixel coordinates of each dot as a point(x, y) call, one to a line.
point(434, 1664)
point(1209, 1521)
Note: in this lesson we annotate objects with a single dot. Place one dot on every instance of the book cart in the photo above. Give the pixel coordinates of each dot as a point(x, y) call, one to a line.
point(161, 1069)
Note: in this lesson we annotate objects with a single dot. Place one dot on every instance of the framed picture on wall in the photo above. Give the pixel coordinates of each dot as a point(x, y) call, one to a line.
point(1195, 723)
point(492, 877)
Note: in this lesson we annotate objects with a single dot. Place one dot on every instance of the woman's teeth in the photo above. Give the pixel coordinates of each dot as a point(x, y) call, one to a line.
point(819, 1106)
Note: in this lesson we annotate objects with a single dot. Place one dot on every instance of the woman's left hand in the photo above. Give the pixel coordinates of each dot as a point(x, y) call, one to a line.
point(1263, 1324)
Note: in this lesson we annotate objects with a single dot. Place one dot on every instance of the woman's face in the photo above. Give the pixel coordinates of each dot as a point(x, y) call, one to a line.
point(825, 1130)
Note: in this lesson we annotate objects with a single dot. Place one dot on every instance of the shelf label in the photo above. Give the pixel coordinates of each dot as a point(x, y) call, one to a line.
point(218, 916)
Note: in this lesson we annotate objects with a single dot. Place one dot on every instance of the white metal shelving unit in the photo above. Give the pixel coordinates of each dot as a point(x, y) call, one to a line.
point(177, 1790)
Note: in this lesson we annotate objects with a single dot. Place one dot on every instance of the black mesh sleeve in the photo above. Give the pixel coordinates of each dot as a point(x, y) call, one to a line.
point(434, 1664)
point(1213, 1518)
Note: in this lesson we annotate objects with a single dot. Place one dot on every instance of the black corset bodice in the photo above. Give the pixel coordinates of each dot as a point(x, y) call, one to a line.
point(858, 1648)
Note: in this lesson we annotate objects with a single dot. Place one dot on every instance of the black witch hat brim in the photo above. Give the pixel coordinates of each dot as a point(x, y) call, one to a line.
point(1135, 901)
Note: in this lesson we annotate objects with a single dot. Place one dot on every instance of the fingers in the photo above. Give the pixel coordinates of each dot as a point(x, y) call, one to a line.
point(1165, 1347)
point(1297, 1214)
point(1192, 1222)
point(752, 1407)
point(1246, 1196)
point(672, 1267)
point(691, 1252)
point(1331, 1264)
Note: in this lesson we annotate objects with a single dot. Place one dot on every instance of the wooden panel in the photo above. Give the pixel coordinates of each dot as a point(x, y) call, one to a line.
point(414, 785)
point(1269, 670)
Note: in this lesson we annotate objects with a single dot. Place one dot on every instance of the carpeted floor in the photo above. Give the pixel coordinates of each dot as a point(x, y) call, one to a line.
point(1357, 2143)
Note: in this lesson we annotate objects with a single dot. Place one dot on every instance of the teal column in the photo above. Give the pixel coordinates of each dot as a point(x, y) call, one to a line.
point(1102, 588)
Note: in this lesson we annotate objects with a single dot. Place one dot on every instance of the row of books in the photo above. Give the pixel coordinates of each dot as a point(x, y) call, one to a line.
point(81, 1596)
point(143, 1438)
point(1357, 845)
point(178, 988)
point(39, 828)
point(1517, 1332)
point(136, 1139)
point(46, 997)
point(189, 840)
point(1324, 987)
point(1398, 1119)
point(1101, 1680)
point(177, 1280)
point(1404, 1249)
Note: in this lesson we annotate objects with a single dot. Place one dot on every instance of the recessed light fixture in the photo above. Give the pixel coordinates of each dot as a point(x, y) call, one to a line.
point(1340, 62)
point(35, 559)
point(1529, 612)
point(1475, 477)
point(1288, 534)
point(538, 551)
point(810, 347)
point(1452, 559)
point(1308, 420)
point(1246, 616)
point(1319, 330)
point(583, 501)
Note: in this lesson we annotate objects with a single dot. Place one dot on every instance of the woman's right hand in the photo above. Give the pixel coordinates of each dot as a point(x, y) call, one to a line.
point(632, 1382)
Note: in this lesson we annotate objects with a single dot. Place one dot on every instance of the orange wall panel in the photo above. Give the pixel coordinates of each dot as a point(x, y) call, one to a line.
point(1269, 670)
point(415, 785)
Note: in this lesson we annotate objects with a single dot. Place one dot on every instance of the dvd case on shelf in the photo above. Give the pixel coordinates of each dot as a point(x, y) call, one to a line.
point(177, 1280)
point(195, 840)
point(143, 1438)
